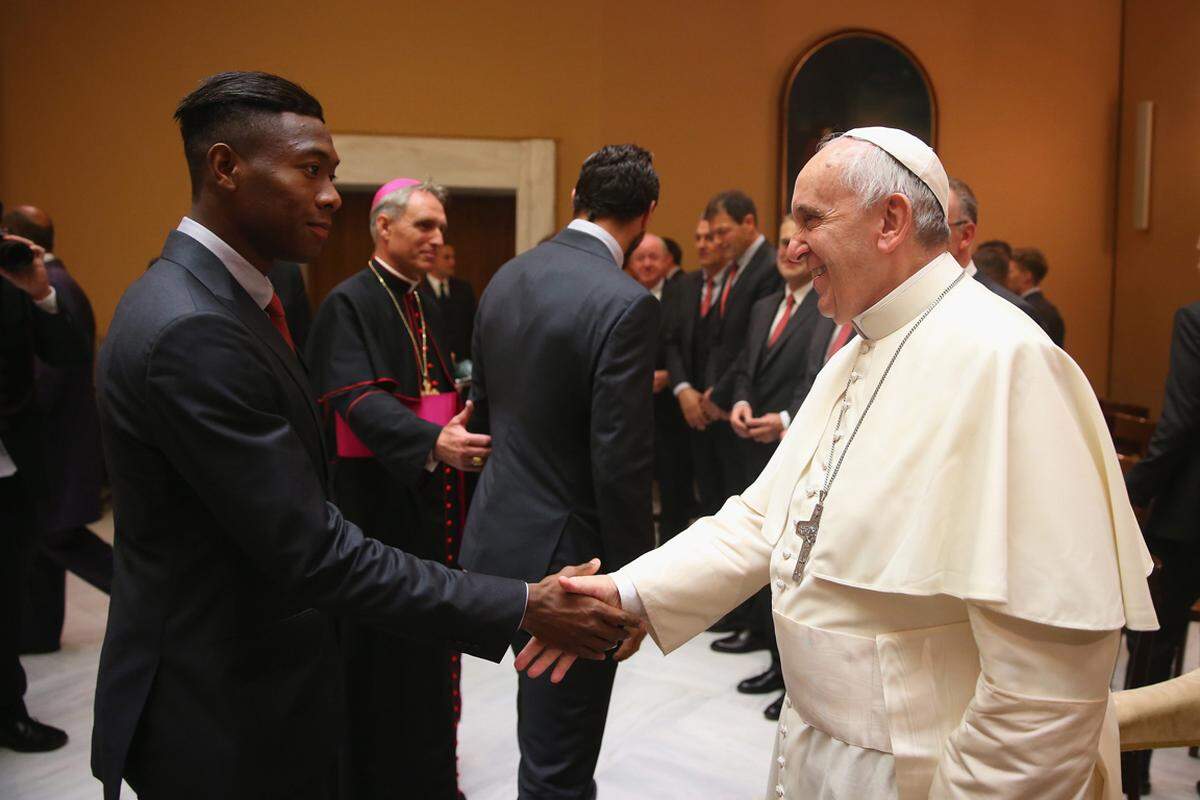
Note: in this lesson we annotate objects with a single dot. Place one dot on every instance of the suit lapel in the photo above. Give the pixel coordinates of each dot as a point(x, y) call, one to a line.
point(208, 269)
point(808, 307)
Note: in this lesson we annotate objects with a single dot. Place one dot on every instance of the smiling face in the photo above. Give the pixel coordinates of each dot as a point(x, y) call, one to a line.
point(285, 198)
point(411, 240)
point(794, 273)
point(836, 239)
point(648, 263)
point(708, 254)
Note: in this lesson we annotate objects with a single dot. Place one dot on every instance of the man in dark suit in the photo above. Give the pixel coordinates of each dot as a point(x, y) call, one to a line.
point(1026, 271)
point(219, 673)
point(963, 213)
point(749, 276)
point(65, 406)
point(564, 361)
point(690, 334)
point(32, 323)
point(769, 390)
point(649, 264)
point(1167, 481)
point(456, 299)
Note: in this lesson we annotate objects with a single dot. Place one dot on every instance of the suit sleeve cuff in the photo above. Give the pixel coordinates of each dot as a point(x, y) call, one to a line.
point(49, 303)
point(785, 418)
point(680, 388)
point(630, 600)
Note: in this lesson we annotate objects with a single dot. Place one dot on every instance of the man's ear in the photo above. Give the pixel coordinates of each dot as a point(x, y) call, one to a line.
point(896, 224)
point(224, 166)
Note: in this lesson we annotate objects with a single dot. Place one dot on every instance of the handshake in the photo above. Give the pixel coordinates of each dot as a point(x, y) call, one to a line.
point(574, 614)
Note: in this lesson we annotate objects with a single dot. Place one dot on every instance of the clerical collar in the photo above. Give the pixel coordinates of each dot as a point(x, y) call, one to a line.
point(905, 303)
point(409, 283)
point(971, 268)
point(745, 257)
point(257, 285)
point(592, 229)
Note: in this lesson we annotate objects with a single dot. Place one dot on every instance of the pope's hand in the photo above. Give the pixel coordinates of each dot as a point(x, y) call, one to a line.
point(567, 623)
point(539, 655)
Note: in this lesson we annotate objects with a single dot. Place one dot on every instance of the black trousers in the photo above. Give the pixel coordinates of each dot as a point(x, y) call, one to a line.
point(43, 594)
point(672, 469)
point(716, 472)
point(16, 522)
point(559, 729)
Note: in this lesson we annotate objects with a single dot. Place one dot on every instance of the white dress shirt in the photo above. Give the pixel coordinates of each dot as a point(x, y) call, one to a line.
point(592, 229)
point(256, 284)
point(657, 289)
point(441, 288)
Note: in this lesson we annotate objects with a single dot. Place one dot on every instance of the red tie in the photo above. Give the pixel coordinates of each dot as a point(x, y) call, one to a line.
point(733, 268)
point(843, 336)
point(783, 321)
point(706, 303)
point(274, 311)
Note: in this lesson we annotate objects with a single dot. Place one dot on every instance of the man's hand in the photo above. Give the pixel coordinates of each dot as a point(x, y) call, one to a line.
point(537, 656)
point(567, 623)
point(712, 411)
point(690, 404)
point(458, 447)
point(33, 281)
point(766, 429)
point(661, 379)
point(739, 419)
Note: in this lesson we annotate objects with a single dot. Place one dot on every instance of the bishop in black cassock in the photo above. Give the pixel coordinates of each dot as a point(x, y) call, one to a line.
point(374, 347)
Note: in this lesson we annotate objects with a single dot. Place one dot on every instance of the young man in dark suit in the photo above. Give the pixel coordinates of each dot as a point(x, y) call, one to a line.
point(455, 298)
point(1026, 270)
point(219, 674)
point(564, 360)
point(768, 392)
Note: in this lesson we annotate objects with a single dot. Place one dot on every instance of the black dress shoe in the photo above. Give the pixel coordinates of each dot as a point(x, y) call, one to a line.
point(726, 624)
point(740, 642)
point(26, 735)
point(769, 681)
point(773, 711)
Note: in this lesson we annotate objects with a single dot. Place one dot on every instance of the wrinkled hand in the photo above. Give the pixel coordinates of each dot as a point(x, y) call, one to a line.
point(739, 419)
point(33, 281)
point(766, 429)
point(690, 403)
point(712, 411)
point(661, 379)
point(458, 447)
point(567, 623)
point(539, 655)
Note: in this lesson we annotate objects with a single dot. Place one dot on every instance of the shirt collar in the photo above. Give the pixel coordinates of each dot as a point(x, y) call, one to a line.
point(257, 285)
point(745, 257)
point(800, 293)
point(1034, 290)
point(906, 302)
point(592, 229)
point(436, 282)
point(657, 289)
point(409, 284)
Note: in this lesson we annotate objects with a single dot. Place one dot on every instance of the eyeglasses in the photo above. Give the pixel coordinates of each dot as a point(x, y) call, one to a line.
point(960, 222)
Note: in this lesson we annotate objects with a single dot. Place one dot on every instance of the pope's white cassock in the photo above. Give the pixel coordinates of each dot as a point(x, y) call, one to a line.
point(957, 623)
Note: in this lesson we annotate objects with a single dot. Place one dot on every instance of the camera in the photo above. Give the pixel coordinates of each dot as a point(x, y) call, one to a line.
point(15, 257)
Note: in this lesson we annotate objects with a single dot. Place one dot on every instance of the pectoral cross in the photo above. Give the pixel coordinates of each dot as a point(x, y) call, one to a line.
point(806, 529)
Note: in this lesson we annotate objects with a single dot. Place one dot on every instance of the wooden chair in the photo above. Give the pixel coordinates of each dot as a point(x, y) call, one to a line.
point(1110, 407)
point(1131, 435)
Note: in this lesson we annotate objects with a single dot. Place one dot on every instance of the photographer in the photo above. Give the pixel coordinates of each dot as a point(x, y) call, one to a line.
point(31, 323)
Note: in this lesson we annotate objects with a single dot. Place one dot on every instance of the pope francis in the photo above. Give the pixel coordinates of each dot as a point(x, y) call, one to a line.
point(945, 530)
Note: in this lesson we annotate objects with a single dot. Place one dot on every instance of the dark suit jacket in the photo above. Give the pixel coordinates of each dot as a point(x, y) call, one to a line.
point(1170, 474)
point(288, 281)
point(1010, 296)
point(564, 359)
point(759, 279)
point(66, 409)
point(681, 332)
point(1047, 316)
point(770, 378)
point(219, 674)
point(458, 314)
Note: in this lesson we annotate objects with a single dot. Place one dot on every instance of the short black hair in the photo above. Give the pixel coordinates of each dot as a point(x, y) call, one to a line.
point(617, 182)
point(674, 249)
point(20, 225)
point(992, 262)
point(734, 202)
point(231, 107)
point(1033, 261)
point(997, 244)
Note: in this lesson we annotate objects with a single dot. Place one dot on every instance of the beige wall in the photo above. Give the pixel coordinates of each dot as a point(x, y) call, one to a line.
point(1027, 92)
point(1156, 269)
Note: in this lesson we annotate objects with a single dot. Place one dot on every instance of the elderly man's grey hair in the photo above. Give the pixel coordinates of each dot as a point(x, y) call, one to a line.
point(393, 205)
point(874, 174)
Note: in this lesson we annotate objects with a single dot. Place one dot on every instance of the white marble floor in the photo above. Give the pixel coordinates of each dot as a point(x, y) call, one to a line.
point(676, 727)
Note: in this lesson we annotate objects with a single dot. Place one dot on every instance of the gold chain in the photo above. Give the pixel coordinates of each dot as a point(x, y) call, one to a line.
point(420, 351)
